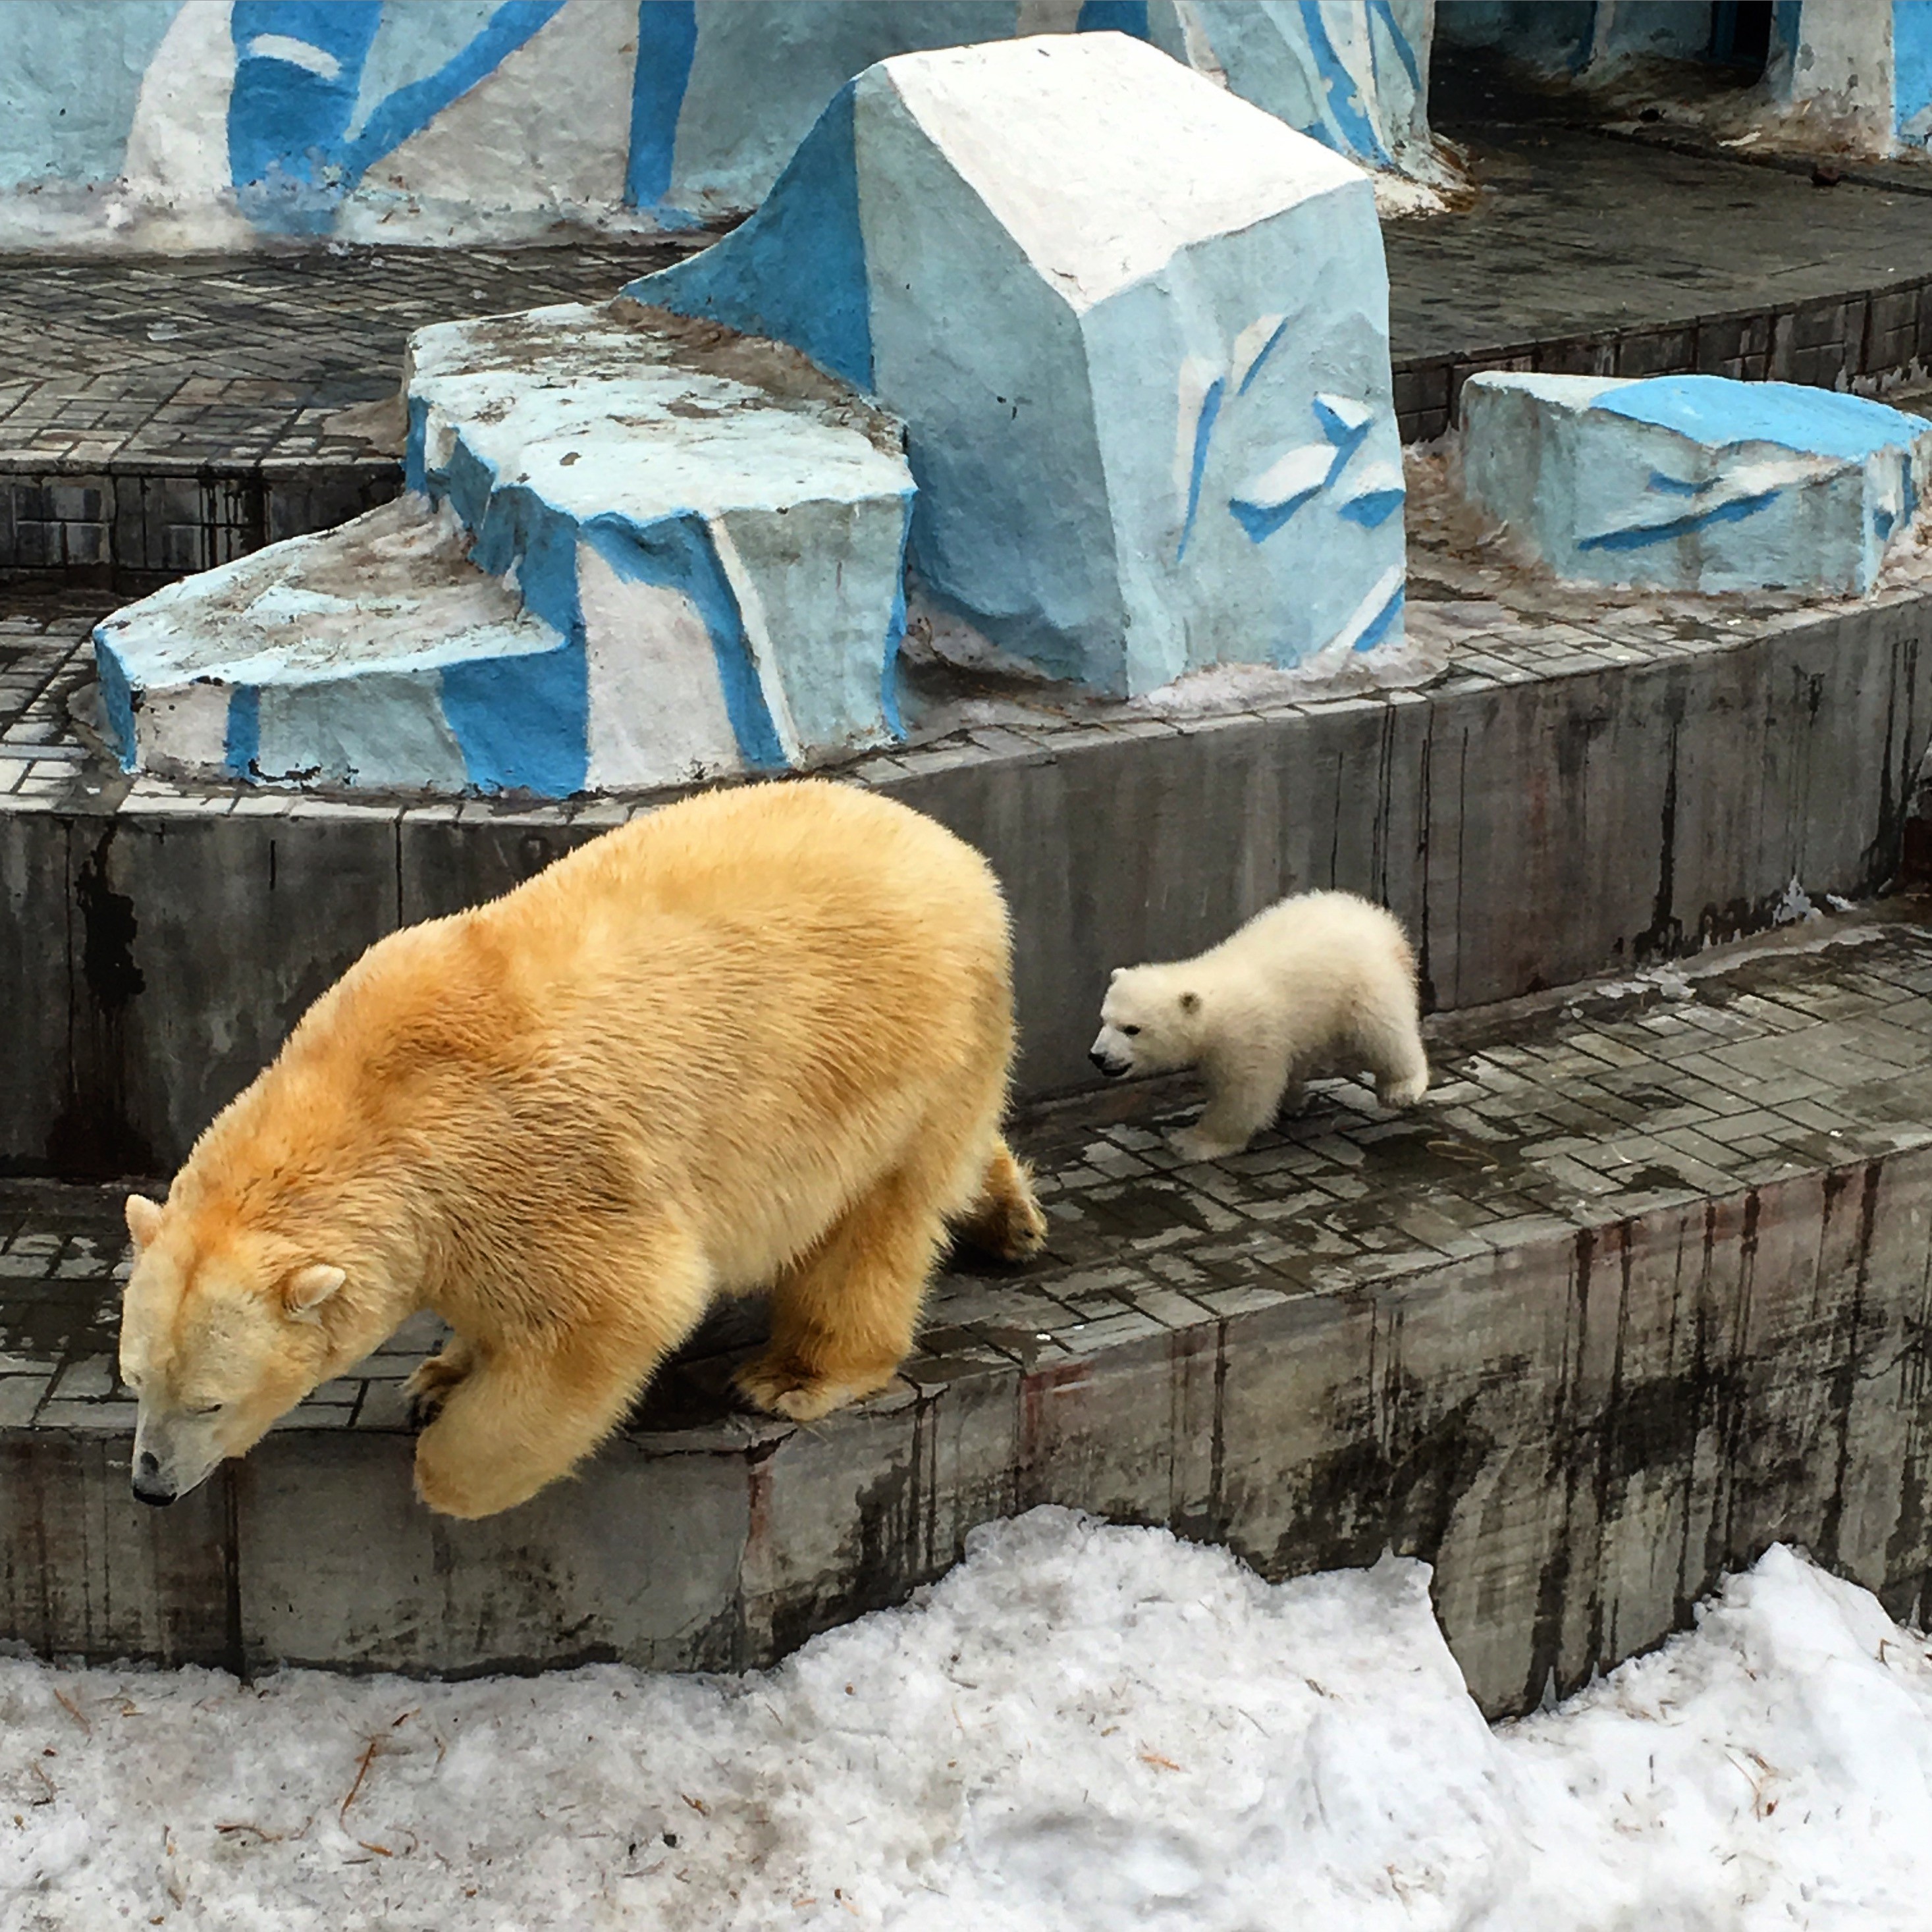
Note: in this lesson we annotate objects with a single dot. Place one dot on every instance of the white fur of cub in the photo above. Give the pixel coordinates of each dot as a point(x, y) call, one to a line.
point(1321, 983)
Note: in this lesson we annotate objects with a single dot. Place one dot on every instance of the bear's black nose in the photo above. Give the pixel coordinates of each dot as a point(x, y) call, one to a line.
point(1108, 1067)
point(150, 1485)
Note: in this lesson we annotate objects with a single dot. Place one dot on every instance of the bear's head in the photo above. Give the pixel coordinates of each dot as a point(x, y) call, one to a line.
point(1149, 1022)
point(221, 1333)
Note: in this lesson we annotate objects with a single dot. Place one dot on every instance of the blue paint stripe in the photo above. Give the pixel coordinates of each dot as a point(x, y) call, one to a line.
point(523, 724)
point(667, 43)
point(796, 272)
point(1373, 508)
point(117, 698)
point(1113, 16)
point(889, 677)
point(677, 552)
point(416, 450)
point(411, 109)
point(1384, 621)
point(1403, 51)
point(1204, 427)
point(1267, 349)
point(1643, 537)
point(1353, 125)
point(1260, 520)
point(242, 747)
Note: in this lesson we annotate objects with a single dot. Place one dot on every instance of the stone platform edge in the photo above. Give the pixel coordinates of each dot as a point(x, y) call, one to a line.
point(1581, 1425)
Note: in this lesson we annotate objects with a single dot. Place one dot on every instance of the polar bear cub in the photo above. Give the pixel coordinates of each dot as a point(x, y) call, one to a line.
point(1322, 983)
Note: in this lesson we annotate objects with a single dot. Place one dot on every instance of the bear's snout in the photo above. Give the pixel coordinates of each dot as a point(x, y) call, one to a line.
point(1113, 1069)
point(150, 1485)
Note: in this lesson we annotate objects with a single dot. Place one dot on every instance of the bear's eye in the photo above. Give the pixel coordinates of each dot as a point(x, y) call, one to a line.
point(207, 1409)
point(1130, 1031)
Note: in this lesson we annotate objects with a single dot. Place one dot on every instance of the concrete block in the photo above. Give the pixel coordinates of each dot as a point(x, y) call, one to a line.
point(634, 556)
point(1138, 331)
point(1695, 482)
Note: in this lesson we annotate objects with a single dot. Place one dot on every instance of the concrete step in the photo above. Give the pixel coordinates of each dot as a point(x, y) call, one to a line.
point(1638, 1288)
point(635, 552)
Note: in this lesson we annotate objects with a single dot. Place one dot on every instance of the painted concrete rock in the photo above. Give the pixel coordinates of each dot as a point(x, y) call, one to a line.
point(1138, 330)
point(1695, 482)
point(637, 550)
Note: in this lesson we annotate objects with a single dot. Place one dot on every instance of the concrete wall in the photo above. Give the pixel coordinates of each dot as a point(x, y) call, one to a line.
point(1530, 831)
point(181, 124)
point(1581, 1429)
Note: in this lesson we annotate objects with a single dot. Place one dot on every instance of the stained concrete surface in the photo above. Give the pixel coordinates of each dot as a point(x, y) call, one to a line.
point(1640, 1288)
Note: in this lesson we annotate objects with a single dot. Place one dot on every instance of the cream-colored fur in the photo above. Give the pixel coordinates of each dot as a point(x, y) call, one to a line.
point(1321, 983)
point(759, 1040)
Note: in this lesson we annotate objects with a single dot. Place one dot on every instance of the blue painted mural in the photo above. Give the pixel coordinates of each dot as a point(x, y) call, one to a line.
point(444, 120)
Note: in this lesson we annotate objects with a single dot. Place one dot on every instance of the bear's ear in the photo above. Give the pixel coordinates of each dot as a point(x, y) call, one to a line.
point(144, 1220)
point(1190, 1003)
point(1115, 974)
point(308, 1288)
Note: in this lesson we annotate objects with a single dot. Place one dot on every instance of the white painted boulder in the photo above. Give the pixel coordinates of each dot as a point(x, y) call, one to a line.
point(1138, 330)
point(636, 551)
point(1694, 482)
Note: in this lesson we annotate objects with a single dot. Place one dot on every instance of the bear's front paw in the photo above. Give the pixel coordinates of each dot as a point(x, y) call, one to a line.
point(1191, 1143)
point(781, 1386)
point(431, 1385)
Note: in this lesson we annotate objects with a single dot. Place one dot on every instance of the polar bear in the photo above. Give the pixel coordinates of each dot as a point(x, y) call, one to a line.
point(1322, 982)
point(759, 1040)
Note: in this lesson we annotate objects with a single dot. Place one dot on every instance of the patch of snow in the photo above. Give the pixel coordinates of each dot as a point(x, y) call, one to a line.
point(1080, 1726)
point(1795, 905)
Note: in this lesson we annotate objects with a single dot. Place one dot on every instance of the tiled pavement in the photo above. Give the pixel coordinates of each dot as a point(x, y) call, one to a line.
point(1811, 1051)
point(180, 361)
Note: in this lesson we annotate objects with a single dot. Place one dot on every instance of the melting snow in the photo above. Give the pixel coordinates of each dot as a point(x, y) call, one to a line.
point(1081, 1727)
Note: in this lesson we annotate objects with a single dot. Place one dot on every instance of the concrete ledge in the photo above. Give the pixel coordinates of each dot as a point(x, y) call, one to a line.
point(1640, 1288)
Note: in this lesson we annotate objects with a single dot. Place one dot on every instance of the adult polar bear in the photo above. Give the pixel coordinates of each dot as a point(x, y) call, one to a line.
point(760, 1039)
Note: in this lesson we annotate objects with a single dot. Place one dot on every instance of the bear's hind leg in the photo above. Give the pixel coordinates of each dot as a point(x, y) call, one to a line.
point(1389, 1038)
point(1006, 1221)
point(842, 1319)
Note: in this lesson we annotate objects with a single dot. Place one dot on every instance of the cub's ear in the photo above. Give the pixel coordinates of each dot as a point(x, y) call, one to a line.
point(1115, 974)
point(308, 1288)
point(144, 1220)
point(1190, 1003)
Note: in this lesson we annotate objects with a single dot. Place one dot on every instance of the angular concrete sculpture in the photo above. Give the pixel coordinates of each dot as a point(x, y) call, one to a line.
point(1695, 482)
point(1138, 330)
point(650, 552)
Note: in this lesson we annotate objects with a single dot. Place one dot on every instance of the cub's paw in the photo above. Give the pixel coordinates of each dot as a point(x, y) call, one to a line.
point(1398, 1094)
point(1191, 1143)
point(433, 1383)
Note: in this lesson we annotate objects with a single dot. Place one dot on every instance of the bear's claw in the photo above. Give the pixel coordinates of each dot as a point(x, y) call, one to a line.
point(429, 1386)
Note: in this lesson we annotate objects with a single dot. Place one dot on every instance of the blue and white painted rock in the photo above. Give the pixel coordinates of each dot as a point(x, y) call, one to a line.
point(648, 553)
point(1694, 482)
point(1137, 331)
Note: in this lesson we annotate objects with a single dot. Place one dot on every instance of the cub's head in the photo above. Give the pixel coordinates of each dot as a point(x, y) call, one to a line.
point(1149, 1022)
point(221, 1332)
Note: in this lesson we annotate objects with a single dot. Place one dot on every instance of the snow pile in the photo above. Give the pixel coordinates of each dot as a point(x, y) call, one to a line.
point(1080, 1726)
